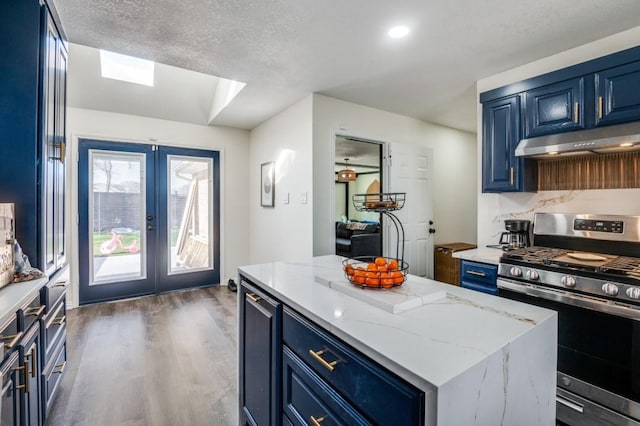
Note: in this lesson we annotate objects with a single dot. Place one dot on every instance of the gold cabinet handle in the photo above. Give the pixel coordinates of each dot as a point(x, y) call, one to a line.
point(59, 321)
point(599, 106)
point(35, 312)
point(317, 422)
point(63, 148)
point(33, 362)
point(576, 107)
point(13, 340)
point(318, 357)
point(62, 284)
point(512, 172)
point(254, 297)
point(59, 369)
point(479, 274)
point(25, 371)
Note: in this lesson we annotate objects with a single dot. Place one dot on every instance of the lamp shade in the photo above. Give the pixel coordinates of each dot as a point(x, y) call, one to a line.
point(346, 174)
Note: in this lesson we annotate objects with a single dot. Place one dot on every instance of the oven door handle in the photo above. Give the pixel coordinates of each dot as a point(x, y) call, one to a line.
point(573, 299)
point(570, 404)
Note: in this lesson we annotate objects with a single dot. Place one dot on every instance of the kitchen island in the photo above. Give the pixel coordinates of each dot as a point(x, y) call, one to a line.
point(450, 355)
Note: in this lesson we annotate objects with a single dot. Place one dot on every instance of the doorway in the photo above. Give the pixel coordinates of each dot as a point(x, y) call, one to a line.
point(149, 219)
point(358, 170)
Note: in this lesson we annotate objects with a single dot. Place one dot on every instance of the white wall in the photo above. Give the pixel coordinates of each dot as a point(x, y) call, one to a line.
point(283, 232)
point(494, 208)
point(233, 145)
point(454, 172)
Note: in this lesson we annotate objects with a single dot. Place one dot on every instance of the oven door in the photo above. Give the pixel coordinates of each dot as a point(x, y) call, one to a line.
point(598, 354)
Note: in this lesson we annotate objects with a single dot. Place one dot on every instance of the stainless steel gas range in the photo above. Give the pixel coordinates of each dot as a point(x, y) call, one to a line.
point(587, 268)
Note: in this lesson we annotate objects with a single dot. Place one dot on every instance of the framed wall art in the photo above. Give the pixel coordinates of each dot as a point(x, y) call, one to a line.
point(267, 184)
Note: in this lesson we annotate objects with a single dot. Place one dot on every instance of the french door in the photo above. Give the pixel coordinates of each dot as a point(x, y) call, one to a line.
point(149, 219)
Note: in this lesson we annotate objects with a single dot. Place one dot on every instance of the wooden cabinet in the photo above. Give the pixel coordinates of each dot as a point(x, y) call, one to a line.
point(479, 276)
point(554, 108)
point(618, 94)
point(260, 357)
point(447, 267)
point(32, 116)
point(502, 171)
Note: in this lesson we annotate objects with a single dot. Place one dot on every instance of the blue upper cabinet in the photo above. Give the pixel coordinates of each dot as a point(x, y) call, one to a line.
point(502, 171)
point(554, 108)
point(618, 94)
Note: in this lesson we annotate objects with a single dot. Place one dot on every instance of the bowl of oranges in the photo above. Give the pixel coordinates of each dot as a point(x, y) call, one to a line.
point(375, 272)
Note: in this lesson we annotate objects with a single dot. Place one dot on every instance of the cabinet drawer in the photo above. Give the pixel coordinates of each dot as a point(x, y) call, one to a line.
point(364, 384)
point(478, 272)
point(53, 373)
point(55, 324)
point(55, 289)
point(9, 336)
point(30, 312)
point(306, 397)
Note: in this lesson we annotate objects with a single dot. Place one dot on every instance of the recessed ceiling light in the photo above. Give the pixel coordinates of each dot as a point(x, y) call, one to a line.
point(126, 68)
point(552, 152)
point(626, 144)
point(398, 31)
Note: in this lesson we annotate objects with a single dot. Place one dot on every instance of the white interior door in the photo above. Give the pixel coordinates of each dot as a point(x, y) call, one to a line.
point(410, 170)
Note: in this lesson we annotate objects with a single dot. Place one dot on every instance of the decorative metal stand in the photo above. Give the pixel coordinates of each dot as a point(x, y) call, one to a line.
point(385, 203)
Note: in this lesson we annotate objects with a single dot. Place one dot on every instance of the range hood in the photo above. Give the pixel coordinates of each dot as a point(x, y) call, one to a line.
point(601, 140)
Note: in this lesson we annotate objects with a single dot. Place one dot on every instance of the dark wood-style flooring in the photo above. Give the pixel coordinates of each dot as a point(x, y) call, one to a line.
point(160, 360)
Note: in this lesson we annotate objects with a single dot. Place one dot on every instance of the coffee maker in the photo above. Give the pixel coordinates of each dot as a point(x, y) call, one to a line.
point(516, 235)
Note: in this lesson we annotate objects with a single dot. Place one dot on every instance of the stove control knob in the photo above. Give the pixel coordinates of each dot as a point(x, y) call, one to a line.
point(533, 275)
point(569, 282)
point(610, 289)
point(515, 271)
point(634, 293)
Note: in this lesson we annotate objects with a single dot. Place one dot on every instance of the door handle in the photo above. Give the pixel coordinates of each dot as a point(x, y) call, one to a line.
point(149, 217)
point(150, 227)
point(432, 231)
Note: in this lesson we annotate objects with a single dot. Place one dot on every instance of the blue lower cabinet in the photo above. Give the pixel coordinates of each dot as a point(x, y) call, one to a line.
point(307, 399)
point(367, 386)
point(479, 276)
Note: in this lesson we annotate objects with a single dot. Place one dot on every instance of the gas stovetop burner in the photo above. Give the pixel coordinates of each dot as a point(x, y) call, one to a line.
point(537, 255)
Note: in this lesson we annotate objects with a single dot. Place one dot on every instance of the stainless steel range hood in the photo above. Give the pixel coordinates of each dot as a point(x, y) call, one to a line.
point(601, 140)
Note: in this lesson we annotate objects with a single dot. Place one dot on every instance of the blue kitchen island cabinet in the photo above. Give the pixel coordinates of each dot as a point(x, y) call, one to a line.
point(479, 276)
point(461, 358)
point(260, 355)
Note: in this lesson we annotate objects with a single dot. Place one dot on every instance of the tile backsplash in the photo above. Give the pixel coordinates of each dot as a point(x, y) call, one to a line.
point(493, 209)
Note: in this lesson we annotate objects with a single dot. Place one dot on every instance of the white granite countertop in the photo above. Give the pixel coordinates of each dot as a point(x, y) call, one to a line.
point(482, 254)
point(428, 345)
point(13, 296)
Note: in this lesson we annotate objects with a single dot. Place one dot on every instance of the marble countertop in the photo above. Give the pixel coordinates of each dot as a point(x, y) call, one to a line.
point(428, 345)
point(482, 254)
point(14, 295)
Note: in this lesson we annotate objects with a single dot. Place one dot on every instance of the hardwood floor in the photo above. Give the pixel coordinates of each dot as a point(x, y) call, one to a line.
point(160, 360)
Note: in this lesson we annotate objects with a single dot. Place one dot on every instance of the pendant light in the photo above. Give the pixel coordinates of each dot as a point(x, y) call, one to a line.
point(346, 174)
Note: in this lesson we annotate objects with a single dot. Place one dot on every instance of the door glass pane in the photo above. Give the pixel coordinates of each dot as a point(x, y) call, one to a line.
point(117, 237)
point(190, 233)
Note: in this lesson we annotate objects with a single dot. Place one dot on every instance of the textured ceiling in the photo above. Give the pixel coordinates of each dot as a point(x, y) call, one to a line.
point(285, 49)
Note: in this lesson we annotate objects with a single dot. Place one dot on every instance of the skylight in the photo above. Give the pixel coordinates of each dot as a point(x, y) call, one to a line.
point(126, 68)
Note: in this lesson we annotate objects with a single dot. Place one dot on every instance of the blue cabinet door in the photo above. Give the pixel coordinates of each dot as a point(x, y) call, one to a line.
point(618, 94)
point(260, 357)
point(554, 108)
point(502, 171)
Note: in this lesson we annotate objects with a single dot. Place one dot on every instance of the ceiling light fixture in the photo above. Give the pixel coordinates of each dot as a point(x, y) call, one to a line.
point(346, 174)
point(126, 68)
point(626, 144)
point(398, 31)
point(552, 152)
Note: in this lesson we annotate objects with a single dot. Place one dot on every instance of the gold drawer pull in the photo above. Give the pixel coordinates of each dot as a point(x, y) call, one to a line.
point(316, 422)
point(318, 356)
point(59, 321)
point(254, 297)
point(512, 177)
point(62, 284)
point(13, 340)
point(599, 106)
point(60, 368)
point(33, 360)
point(576, 112)
point(25, 370)
point(35, 312)
point(479, 274)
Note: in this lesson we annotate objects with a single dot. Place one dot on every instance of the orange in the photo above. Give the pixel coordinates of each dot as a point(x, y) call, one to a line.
point(397, 277)
point(359, 273)
point(372, 282)
point(382, 268)
point(386, 282)
point(358, 279)
point(393, 265)
point(349, 270)
point(372, 267)
point(371, 274)
point(380, 261)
